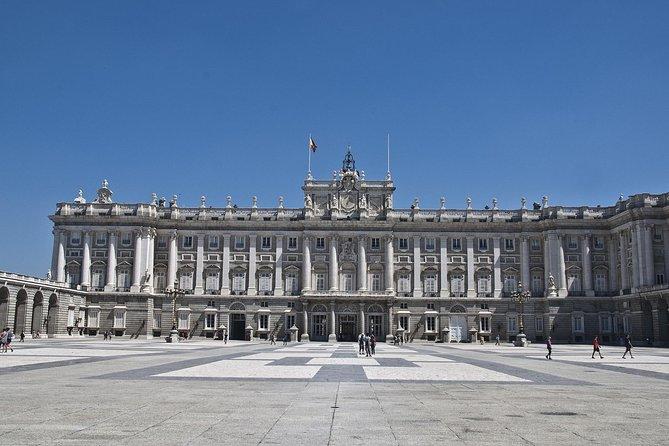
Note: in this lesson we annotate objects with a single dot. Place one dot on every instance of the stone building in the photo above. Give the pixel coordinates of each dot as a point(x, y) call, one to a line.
point(350, 261)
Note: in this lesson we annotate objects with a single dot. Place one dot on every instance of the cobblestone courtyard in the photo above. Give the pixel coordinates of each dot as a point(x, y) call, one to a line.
point(203, 392)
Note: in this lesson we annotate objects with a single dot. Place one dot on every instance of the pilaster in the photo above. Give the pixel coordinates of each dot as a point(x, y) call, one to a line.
point(417, 290)
point(471, 287)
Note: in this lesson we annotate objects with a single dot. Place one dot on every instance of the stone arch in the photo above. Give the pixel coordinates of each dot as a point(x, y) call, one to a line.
point(20, 311)
point(4, 306)
point(457, 309)
point(38, 312)
point(375, 308)
point(237, 306)
point(319, 308)
point(52, 315)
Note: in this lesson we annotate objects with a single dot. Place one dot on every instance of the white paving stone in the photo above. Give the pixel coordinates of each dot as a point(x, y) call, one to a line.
point(10, 360)
point(343, 361)
point(275, 356)
point(430, 371)
point(232, 368)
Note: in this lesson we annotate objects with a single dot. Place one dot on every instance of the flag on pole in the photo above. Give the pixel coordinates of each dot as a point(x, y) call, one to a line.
point(312, 144)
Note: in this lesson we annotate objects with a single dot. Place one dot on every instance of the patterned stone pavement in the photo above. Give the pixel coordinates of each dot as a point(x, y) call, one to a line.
point(86, 391)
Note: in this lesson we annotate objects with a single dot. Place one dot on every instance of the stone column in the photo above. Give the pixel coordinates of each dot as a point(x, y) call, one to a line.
point(562, 280)
point(525, 262)
point(636, 259)
point(137, 263)
point(497, 267)
point(149, 317)
point(648, 251)
point(86, 262)
point(613, 278)
point(390, 267)
point(278, 266)
point(471, 288)
point(333, 325)
point(443, 267)
point(54, 253)
point(150, 250)
point(587, 266)
point(334, 265)
point(306, 264)
point(362, 263)
point(172, 260)
point(417, 289)
point(252, 289)
point(305, 335)
point(199, 265)
point(111, 263)
point(547, 262)
point(665, 237)
point(60, 262)
point(389, 335)
point(225, 267)
point(362, 317)
point(624, 272)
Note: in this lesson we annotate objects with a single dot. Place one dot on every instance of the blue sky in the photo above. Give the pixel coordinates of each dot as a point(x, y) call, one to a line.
point(482, 99)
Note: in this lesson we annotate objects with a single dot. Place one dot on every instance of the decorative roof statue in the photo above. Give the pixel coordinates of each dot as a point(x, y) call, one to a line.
point(494, 204)
point(228, 201)
point(154, 199)
point(203, 201)
point(280, 202)
point(621, 198)
point(544, 202)
point(415, 204)
point(104, 194)
point(389, 202)
point(442, 203)
point(469, 203)
point(307, 202)
point(161, 202)
point(254, 202)
point(173, 202)
point(80, 197)
point(362, 174)
point(48, 275)
point(334, 202)
point(348, 165)
point(362, 202)
point(523, 203)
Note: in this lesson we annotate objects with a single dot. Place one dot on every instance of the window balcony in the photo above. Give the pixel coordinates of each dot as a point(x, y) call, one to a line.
point(430, 294)
point(576, 293)
point(458, 294)
point(483, 294)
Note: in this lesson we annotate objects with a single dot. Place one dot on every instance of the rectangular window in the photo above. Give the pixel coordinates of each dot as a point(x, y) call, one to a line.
point(264, 304)
point(403, 243)
point(510, 284)
point(659, 279)
point(456, 244)
point(320, 243)
point(376, 243)
point(457, 284)
point(265, 242)
point(512, 324)
point(484, 284)
point(320, 282)
point(290, 321)
point(509, 244)
point(98, 279)
point(240, 242)
point(211, 282)
point(265, 282)
point(598, 242)
point(162, 241)
point(291, 282)
point(213, 242)
point(186, 280)
point(187, 241)
point(183, 320)
point(75, 238)
point(577, 324)
point(484, 325)
point(123, 279)
point(430, 306)
point(210, 321)
point(483, 244)
point(70, 317)
point(537, 285)
point(292, 243)
point(159, 281)
point(605, 322)
point(157, 319)
point(430, 283)
point(600, 282)
point(430, 243)
point(239, 282)
point(539, 324)
point(263, 321)
point(100, 238)
point(126, 239)
point(535, 244)
point(119, 318)
point(93, 318)
point(376, 282)
point(348, 282)
point(430, 323)
point(404, 322)
point(404, 283)
point(573, 242)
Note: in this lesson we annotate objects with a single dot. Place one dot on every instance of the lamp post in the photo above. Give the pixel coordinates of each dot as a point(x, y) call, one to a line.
point(174, 293)
point(520, 296)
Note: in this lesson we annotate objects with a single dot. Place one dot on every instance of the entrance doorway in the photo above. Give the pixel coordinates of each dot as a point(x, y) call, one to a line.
point(20, 312)
point(237, 326)
point(458, 328)
point(375, 325)
point(348, 324)
point(319, 327)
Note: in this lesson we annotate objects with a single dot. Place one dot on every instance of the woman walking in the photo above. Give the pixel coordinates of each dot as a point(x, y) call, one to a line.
point(628, 347)
point(595, 348)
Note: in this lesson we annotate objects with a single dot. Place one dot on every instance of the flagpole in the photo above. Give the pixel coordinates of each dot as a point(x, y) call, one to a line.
point(309, 150)
point(388, 155)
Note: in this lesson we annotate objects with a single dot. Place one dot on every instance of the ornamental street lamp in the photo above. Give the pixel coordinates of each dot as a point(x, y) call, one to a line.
point(174, 293)
point(519, 296)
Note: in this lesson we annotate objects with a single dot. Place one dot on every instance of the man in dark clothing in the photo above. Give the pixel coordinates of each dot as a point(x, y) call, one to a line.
point(286, 338)
point(367, 350)
point(628, 347)
point(549, 347)
point(361, 343)
point(372, 344)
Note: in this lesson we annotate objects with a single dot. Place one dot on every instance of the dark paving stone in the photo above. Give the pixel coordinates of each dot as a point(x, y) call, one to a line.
point(348, 373)
point(394, 362)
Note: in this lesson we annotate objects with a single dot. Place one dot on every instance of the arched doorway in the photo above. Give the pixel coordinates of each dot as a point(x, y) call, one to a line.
point(4, 306)
point(319, 326)
point(38, 312)
point(52, 317)
point(237, 321)
point(457, 324)
point(20, 311)
point(375, 323)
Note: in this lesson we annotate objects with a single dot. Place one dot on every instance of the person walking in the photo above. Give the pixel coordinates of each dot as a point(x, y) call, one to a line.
point(497, 339)
point(628, 347)
point(596, 348)
point(372, 344)
point(549, 347)
point(286, 338)
point(225, 337)
point(272, 339)
point(3, 341)
point(366, 341)
point(8, 343)
point(23, 336)
point(361, 343)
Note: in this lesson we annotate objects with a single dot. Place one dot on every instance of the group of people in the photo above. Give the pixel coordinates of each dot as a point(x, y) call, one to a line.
point(366, 344)
point(108, 335)
point(6, 340)
point(596, 348)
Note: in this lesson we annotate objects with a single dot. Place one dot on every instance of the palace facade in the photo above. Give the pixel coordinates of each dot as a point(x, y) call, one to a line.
point(347, 262)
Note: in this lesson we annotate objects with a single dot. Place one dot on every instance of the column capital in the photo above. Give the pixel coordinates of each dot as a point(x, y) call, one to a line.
point(174, 234)
point(113, 233)
point(388, 237)
point(362, 238)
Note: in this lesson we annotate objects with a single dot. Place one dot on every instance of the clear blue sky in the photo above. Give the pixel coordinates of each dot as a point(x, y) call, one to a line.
point(482, 99)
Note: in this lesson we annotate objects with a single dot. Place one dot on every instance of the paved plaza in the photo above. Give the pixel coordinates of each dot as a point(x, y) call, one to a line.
point(88, 391)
